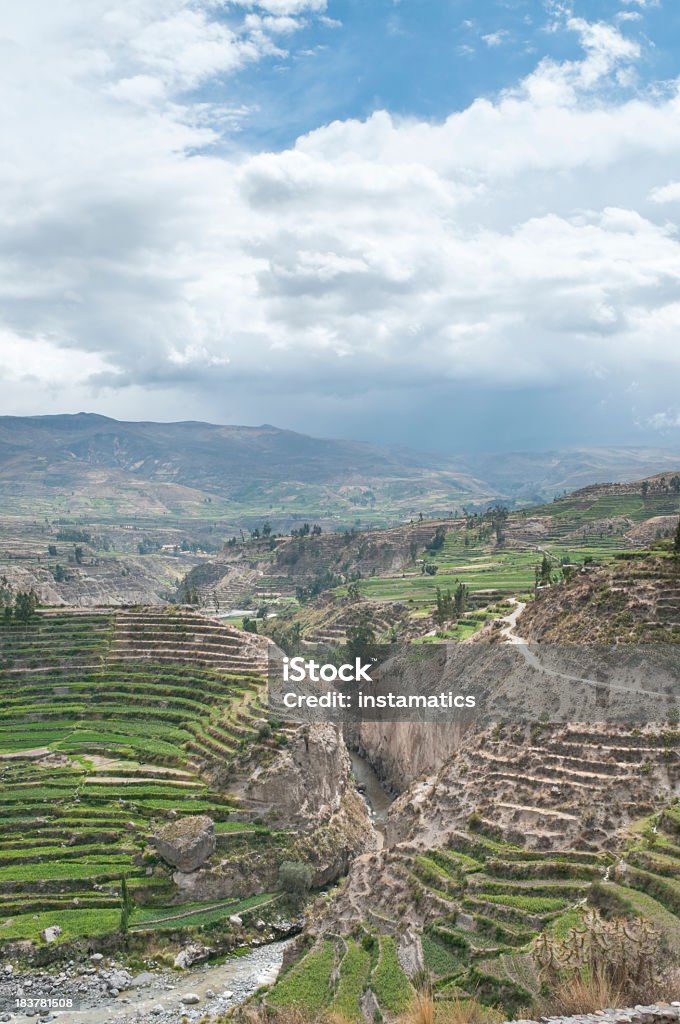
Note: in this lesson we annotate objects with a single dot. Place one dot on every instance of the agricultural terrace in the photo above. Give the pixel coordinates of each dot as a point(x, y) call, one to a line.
point(110, 722)
point(589, 526)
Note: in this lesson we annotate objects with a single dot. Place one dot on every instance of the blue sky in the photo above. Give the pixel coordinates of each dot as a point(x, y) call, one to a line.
point(426, 58)
point(442, 223)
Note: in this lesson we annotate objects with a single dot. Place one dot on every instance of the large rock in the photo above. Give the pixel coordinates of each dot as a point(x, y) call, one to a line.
point(306, 782)
point(51, 934)
point(187, 843)
point(192, 954)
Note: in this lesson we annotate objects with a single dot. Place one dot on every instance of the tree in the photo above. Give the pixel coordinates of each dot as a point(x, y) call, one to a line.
point(437, 541)
point(644, 488)
point(460, 599)
point(543, 573)
point(445, 606)
point(676, 541)
point(78, 554)
point(499, 516)
point(126, 906)
point(25, 605)
point(361, 640)
point(295, 878)
point(60, 574)
point(250, 624)
point(52, 549)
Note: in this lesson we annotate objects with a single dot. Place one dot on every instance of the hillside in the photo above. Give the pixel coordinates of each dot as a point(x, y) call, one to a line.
point(123, 732)
point(152, 798)
point(512, 848)
point(321, 584)
point(92, 464)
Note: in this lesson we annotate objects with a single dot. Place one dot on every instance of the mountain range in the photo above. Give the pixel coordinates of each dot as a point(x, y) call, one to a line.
point(244, 471)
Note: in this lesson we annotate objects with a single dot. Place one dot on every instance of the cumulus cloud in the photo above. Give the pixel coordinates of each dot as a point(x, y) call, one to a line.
point(516, 243)
point(669, 193)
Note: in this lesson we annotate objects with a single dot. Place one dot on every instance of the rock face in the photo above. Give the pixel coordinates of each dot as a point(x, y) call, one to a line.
point(306, 783)
point(187, 843)
point(192, 954)
point(401, 752)
point(328, 849)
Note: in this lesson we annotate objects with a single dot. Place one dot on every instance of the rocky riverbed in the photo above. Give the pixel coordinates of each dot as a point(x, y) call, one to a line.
point(107, 993)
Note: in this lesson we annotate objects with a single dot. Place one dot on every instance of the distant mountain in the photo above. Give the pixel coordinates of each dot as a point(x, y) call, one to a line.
point(101, 464)
point(238, 470)
point(536, 476)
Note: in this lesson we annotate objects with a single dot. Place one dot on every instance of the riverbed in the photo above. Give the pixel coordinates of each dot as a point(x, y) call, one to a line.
point(373, 792)
point(157, 997)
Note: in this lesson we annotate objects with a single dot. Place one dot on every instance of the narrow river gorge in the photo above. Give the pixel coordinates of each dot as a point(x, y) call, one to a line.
point(371, 788)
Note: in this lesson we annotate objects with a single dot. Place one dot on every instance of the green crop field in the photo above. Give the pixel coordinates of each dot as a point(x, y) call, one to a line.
point(104, 738)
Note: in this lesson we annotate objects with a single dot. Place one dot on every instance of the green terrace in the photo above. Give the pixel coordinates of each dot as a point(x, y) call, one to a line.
point(486, 900)
point(102, 741)
point(335, 974)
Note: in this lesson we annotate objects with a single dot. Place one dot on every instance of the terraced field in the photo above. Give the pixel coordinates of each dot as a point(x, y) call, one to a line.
point(111, 724)
point(484, 902)
point(341, 975)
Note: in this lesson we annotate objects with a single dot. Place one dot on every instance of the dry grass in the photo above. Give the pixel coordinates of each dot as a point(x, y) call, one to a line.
point(421, 1010)
point(456, 1010)
point(585, 992)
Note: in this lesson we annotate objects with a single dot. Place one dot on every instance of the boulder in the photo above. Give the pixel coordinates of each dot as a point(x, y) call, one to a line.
point(118, 980)
point(192, 954)
point(186, 843)
point(190, 999)
point(236, 920)
point(51, 934)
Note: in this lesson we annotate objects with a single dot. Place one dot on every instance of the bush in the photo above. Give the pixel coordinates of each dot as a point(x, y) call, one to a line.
point(295, 878)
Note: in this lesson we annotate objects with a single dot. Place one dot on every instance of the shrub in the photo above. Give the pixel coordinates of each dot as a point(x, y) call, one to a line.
point(295, 878)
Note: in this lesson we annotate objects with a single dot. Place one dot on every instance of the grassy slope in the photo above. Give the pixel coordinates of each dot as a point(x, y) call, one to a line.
point(127, 738)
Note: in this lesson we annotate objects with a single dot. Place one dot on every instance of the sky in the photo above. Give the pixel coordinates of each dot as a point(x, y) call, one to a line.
point(450, 224)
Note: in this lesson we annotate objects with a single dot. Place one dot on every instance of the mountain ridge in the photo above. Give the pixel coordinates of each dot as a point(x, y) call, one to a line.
point(256, 470)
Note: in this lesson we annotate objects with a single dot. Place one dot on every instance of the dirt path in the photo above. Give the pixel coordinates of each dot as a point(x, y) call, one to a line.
point(509, 632)
point(193, 913)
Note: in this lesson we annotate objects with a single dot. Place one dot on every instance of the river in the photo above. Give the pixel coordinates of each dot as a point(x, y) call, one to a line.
point(373, 792)
point(220, 987)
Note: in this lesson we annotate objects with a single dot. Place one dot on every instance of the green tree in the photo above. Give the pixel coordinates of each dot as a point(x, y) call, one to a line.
point(126, 906)
point(676, 541)
point(295, 878)
point(25, 605)
point(436, 543)
point(445, 606)
point(361, 640)
point(460, 597)
point(78, 554)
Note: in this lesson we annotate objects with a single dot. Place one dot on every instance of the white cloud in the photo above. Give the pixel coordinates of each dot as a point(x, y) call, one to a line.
point(668, 420)
point(513, 243)
point(284, 7)
point(493, 39)
point(669, 193)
